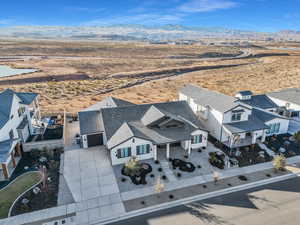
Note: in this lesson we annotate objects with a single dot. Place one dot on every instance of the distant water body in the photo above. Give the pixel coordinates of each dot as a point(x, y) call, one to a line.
point(6, 71)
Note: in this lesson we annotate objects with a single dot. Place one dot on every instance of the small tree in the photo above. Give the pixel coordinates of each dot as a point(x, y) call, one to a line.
point(297, 136)
point(159, 186)
point(216, 176)
point(279, 162)
point(132, 167)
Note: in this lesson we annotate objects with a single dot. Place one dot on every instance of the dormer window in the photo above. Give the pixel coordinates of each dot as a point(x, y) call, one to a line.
point(236, 116)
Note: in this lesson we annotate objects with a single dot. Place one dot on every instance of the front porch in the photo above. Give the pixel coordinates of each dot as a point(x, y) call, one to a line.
point(9, 160)
point(238, 140)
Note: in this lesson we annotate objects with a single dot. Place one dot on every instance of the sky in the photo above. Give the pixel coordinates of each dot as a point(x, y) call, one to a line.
point(255, 15)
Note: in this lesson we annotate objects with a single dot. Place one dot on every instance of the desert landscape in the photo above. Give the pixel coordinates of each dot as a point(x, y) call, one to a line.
point(75, 74)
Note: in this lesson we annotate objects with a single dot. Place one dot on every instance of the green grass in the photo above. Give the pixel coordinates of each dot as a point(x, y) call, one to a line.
point(9, 194)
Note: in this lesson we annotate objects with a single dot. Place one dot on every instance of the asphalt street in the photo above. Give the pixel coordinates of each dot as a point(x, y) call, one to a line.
point(273, 204)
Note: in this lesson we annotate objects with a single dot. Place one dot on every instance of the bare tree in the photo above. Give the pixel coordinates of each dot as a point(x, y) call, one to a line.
point(216, 176)
point(159, 186)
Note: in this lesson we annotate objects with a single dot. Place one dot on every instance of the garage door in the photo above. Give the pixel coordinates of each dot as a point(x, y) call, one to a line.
point(94, 140)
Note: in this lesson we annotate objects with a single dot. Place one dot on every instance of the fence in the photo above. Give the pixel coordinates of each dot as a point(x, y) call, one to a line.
point(40, 145)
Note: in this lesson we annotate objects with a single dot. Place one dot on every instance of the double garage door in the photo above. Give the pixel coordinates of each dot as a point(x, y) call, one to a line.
point(95, 139)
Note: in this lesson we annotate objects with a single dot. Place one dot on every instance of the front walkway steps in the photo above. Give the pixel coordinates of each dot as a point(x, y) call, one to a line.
point(264, 147)
point(166, 168)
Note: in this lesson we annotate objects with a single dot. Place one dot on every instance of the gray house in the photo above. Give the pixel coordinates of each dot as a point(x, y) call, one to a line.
point(91, 128)
point(142, 130)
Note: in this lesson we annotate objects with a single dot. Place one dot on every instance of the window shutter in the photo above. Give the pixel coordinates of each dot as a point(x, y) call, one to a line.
point(200, 138)
point(119, 153)
point(138, 150)
point(148, 148)
point(129, 151)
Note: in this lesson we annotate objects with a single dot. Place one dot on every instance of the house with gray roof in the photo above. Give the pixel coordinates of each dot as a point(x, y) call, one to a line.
point(18, 113)
point(235, 122)
point(289, 102)
point(143, 130)
point(90, 121)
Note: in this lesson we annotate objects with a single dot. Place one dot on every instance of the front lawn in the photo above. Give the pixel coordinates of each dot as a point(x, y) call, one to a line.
point(9, 194)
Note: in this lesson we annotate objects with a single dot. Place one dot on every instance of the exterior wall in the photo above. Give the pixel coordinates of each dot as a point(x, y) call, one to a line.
point(40, 145)
point(204, 139)
point(244, 117)
point(13, 123)
point(284, 125)
point(133, 142)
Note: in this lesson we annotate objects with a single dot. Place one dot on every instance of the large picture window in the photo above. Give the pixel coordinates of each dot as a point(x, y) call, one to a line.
point(274, 128)
point(196, 139)
point(142, 149)
point(124, 152)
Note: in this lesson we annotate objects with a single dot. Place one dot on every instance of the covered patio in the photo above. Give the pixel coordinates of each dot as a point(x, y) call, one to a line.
point(244, 133)
point(10, 155)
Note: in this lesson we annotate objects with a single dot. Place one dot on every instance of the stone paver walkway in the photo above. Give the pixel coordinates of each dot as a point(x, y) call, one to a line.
point(168, 172)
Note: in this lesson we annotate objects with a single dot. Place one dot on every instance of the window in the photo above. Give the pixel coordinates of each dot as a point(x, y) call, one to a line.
point(236, 116)
point(142, 149)
point(124, 152)
point(21, 111)
point(196, 139)
point(11, 134)
point(273, 128)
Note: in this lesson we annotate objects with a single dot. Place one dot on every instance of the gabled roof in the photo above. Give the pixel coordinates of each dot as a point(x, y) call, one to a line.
point(118, 121)
point(5, 149)
point(90, 118)
point(245, 93)
point(252, 124)
point(6, 100)
point(153, 114)
point(205, 97)
point(266, 116)
point(289, 95)
point(260, 101)
point(90, 122)
point(109, 102)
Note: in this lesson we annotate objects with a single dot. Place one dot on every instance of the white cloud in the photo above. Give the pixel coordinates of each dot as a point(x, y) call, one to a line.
point(5, 21)
point(195, 6)
point(85, 9)
point(137, 19)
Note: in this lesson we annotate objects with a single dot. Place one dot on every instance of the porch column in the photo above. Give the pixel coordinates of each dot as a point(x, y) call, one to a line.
point(5, 171)
point(18, 148)
point(13, 159)
point(263, 137)
point(189, 147)
point(155, 152)
point(253, 138)
point(168, 151)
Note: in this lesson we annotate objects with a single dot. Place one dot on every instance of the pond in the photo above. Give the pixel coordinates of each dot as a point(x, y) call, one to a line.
point(6, 71)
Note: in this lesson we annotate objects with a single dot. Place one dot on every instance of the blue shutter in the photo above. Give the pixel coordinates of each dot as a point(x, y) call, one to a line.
point(138, 150)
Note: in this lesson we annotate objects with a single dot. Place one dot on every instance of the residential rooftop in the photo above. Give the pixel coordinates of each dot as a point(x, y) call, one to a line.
point(259, 101)
point(6, 100)
point(290, 95)
point(205, 97)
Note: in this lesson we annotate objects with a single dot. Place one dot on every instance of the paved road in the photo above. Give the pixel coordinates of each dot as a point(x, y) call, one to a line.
point(273, 204)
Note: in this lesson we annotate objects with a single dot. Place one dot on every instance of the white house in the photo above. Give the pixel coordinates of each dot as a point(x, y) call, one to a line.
point(18, 112)
point(288, 100)
point(230, 120)
point(143, 130)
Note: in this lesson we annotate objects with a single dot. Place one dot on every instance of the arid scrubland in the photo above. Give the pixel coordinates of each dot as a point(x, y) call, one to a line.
point(139, 72)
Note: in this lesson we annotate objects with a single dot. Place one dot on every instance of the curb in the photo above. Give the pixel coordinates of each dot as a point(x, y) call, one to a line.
point(163, 206)
point(21, 195)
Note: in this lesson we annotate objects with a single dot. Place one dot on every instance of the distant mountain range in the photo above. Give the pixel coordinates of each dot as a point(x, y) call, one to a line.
point(142, 33)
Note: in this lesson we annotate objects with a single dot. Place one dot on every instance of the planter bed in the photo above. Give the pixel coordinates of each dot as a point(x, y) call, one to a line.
point(47, 197)
point(140, 177)
point(183, 166)
point(51, 133)
point(276, 142)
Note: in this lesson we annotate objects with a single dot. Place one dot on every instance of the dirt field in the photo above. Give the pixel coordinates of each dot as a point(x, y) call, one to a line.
point(75, 75)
